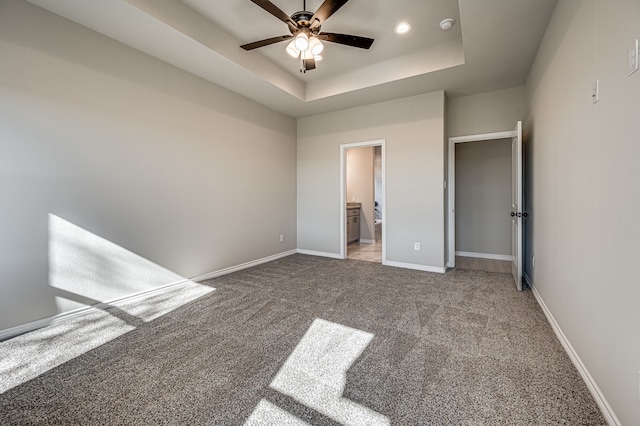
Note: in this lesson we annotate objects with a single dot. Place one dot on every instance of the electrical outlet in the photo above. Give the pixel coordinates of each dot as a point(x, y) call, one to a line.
point(633, 56)
point(281, 238)
point(533, 261)
point(595, 92)
point(416, 246)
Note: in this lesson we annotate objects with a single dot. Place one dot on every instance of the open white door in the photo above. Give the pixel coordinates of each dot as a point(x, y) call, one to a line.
point(516, 205)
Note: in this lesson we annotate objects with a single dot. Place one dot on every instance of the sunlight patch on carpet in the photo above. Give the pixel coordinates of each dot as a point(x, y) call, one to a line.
point(315, 374)
point(267, 413)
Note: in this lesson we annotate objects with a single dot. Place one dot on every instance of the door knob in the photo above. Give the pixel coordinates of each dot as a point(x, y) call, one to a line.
point(513, 214)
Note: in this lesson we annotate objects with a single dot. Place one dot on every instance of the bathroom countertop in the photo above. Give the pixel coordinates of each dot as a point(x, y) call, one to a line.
point(353, 205)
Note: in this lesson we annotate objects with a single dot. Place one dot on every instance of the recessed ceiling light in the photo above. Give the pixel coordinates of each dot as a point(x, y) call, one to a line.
point(446, 24)
point(403, 28)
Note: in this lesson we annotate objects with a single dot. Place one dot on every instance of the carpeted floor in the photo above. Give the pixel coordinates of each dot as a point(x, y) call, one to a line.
point(321, 341)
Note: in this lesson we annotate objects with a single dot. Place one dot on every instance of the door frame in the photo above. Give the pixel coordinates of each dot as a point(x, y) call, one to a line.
point(343, 193)
point(517, 215)
point(451, 184)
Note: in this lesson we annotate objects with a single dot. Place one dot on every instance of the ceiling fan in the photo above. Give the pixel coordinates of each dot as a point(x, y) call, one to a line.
point(306, 38)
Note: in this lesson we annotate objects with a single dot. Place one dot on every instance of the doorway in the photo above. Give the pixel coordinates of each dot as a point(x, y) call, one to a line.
point(362, 207)
point(483, 203)
point(509, 210)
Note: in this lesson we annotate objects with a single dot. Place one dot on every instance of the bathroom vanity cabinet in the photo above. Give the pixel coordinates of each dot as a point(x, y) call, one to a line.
point(353, 224)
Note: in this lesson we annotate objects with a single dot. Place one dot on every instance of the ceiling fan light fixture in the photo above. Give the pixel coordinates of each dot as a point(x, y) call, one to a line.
point(301, 42)
point(304, 41)
point(315, 46)
point(318, 58)
point(292, 51)
point(402, 28)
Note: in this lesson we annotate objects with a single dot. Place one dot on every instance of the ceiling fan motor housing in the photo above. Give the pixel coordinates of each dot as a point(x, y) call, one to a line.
point(303, 19)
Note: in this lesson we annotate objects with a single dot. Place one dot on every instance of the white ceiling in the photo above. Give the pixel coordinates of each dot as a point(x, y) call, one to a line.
point(490, 47)
point(248, 22)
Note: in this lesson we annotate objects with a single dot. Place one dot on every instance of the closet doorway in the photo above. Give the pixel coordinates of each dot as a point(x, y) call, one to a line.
point(476, 216)
point(362, 195)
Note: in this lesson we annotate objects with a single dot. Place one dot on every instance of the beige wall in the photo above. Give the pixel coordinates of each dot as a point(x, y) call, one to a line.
point(177, 170)
point(360, 187)
point(414, 132)
point(583, 162)
point(486, 112)
point(483, 197)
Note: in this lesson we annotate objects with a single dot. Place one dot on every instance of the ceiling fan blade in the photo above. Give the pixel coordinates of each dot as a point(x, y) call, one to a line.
point(309, 64)
point(326, 9)
point(275, 11)
point(266, 42)
point(349, 40)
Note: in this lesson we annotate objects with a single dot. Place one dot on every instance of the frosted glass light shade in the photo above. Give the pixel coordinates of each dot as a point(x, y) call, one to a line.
point(291, 49)
point(316, 46)
point(301, 42)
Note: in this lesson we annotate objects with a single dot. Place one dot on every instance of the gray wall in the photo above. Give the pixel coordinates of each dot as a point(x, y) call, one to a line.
point(486, 112)
point(414, 132)
point(181, 172)
point(483, 197)
point(360, 187)
point(585, 205)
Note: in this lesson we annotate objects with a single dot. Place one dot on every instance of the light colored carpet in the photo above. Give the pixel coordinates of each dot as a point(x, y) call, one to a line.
point(306, 340)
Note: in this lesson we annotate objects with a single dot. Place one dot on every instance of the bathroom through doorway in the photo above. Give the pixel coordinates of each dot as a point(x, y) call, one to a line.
point(363, 201)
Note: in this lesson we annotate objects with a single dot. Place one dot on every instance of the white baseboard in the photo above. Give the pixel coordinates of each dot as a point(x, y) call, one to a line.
point(242, 266)
point(66, 316)
point(415, 266)
point(384, 262)
point(363, 241)
point(507, 257)
point(320, 253)
point(598, 396)
point(8, 333)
